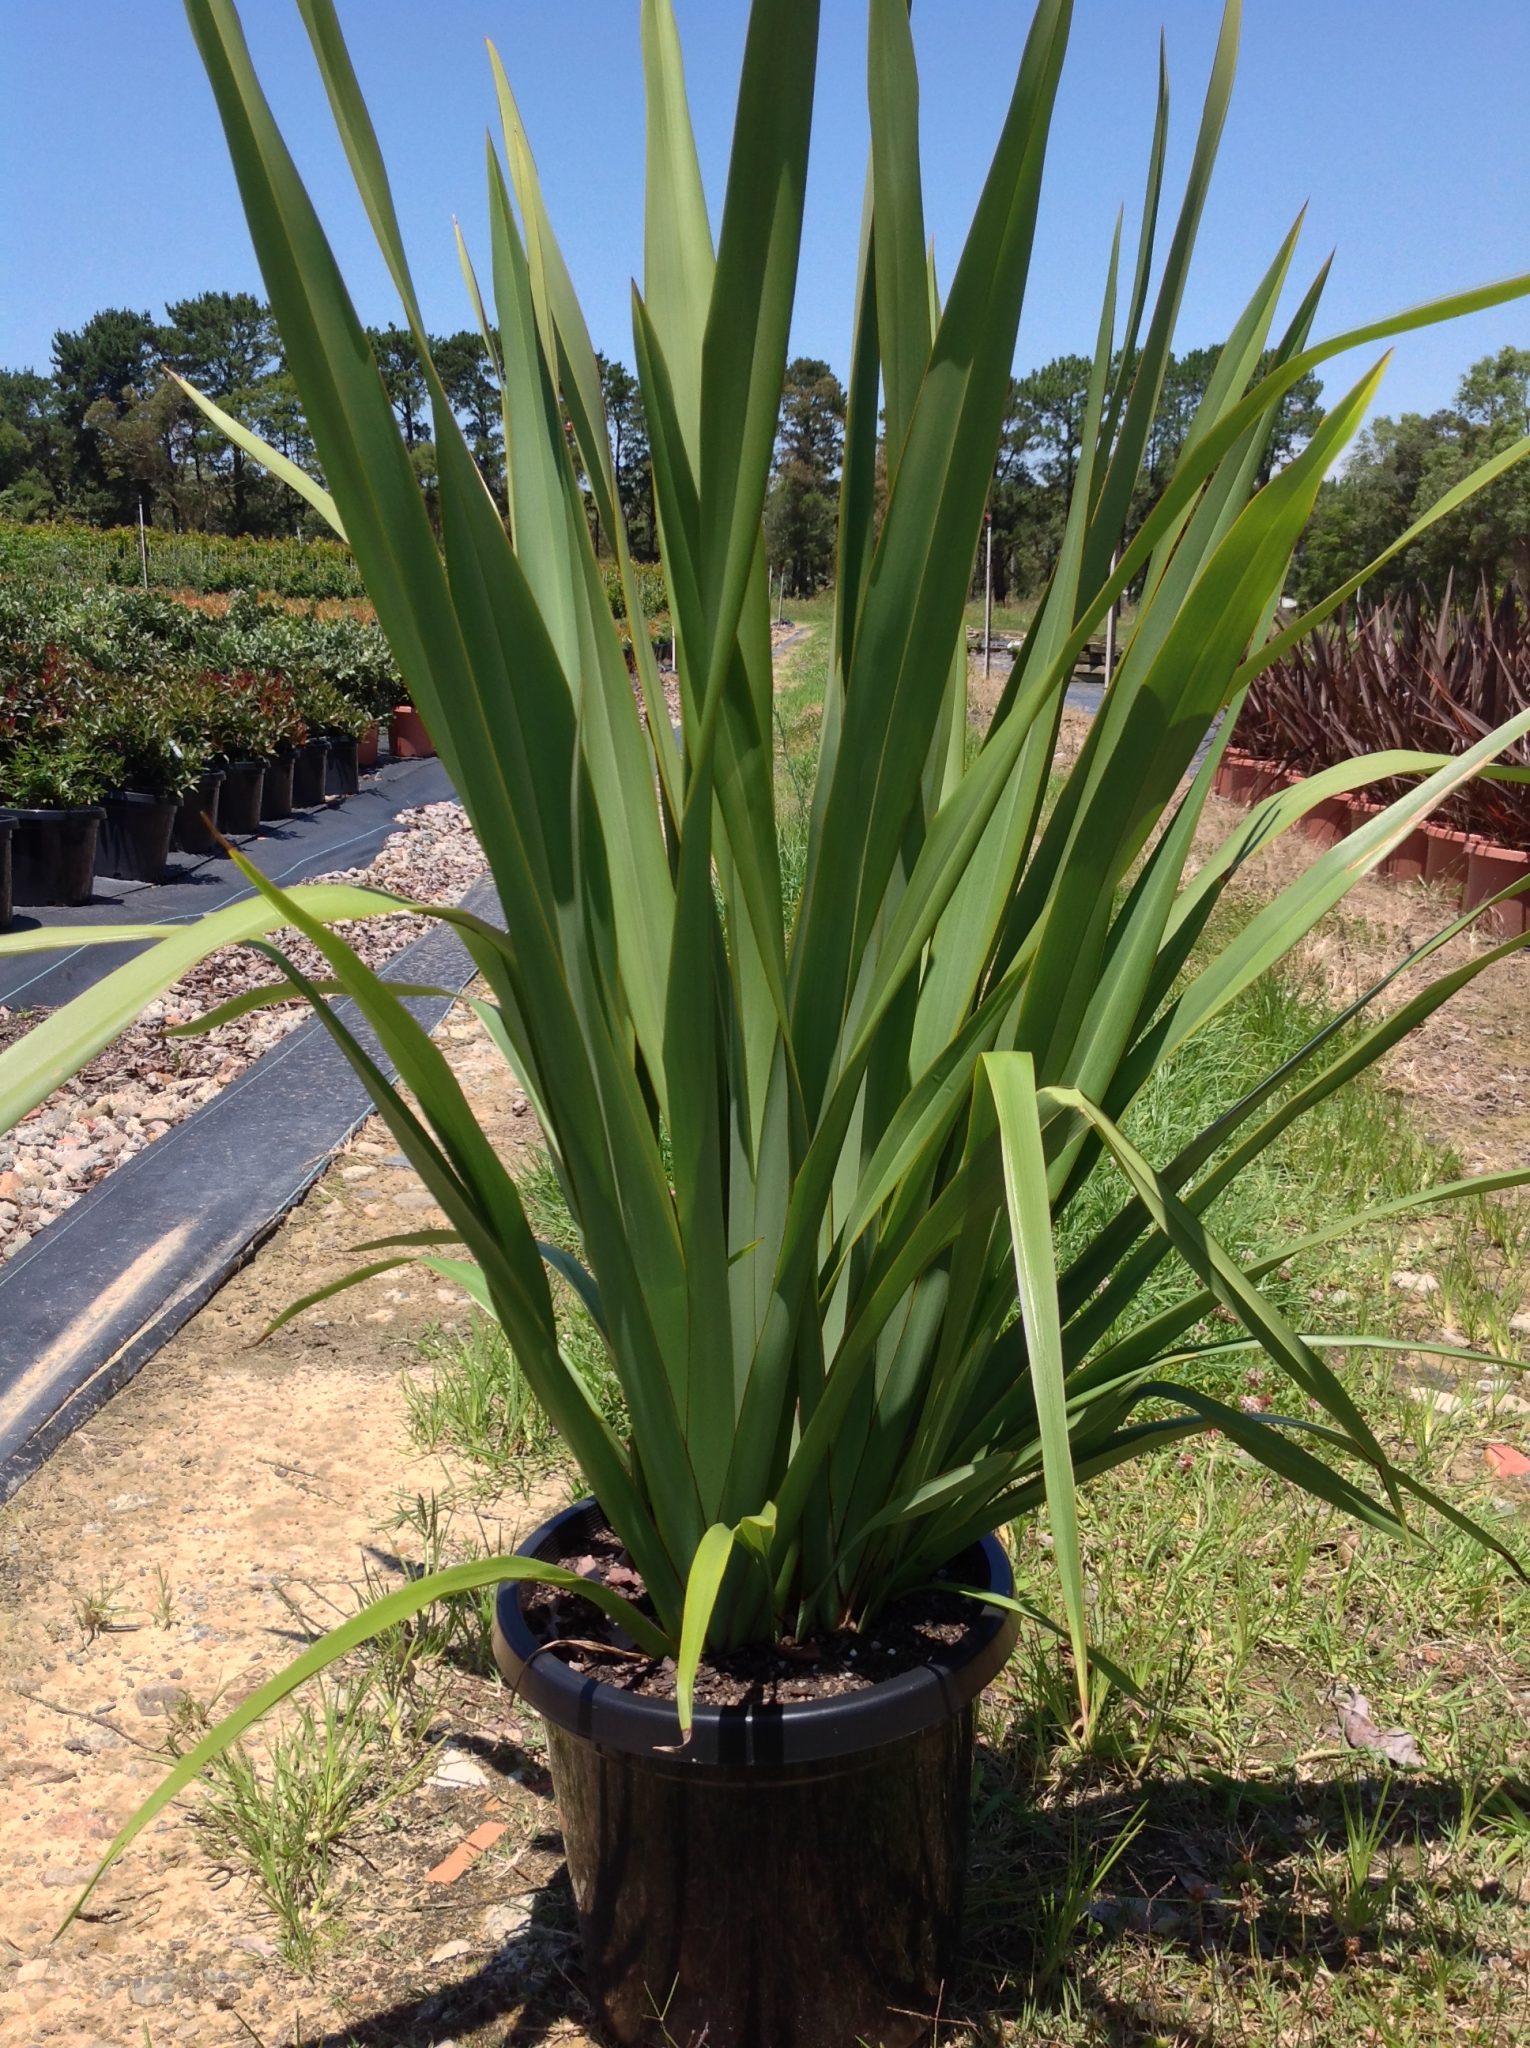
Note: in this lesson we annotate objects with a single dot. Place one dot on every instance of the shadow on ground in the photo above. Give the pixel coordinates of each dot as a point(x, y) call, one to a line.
point(1215, 1876)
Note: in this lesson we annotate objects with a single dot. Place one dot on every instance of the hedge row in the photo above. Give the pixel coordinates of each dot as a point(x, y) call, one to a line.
point(106, 689)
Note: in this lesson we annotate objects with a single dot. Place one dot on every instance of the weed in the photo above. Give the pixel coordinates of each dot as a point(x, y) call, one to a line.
point(164, 1600)
point(330, 1776)
point(99, 1610)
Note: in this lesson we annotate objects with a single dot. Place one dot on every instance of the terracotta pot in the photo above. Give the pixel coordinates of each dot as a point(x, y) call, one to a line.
point(368, 747)
point(1328, 822)
point(408, 737)
point(1446, 854)
point(1490, 868)
point(1232, 775)
point(1406, 861)
point(1270, 778)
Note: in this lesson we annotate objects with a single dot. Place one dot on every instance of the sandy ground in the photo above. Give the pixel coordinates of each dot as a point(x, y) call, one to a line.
point(232, 1477)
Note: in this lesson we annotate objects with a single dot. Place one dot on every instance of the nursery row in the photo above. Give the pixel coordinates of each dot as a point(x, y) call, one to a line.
point(1473, 864)
point(72, 555)
point(111, 689)
point(60, 552)
point(128, 721)
point(1409, 675)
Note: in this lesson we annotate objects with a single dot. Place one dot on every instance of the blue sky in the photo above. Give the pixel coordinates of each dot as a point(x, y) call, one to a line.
point(1402, 122)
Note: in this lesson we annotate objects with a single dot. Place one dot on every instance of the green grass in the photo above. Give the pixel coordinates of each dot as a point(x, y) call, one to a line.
point(1207, 1863)
point(292, 1821)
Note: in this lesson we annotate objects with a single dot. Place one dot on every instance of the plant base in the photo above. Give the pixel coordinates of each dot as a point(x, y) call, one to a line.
point(205, 802)
point(276, 792)
point(244, 789)
point(407, 736)
point(1489, 869)
point(792, 1877)
point(310, 772)
point(135, 837)
point(342, 769)
point(53, 855)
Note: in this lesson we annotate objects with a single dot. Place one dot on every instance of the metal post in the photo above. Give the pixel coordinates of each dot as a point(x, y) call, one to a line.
point(1110, 626)
point(988, 592)
point(143, 545)
point(781, 599)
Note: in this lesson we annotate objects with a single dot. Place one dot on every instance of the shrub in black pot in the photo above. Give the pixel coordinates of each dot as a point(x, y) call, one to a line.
point(54, 787)
point(248, 716)
point(157, 749)
point(340, 720)
point(876, 1267)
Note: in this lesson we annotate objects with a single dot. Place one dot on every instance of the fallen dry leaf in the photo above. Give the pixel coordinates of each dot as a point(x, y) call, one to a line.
point(1361, 1732)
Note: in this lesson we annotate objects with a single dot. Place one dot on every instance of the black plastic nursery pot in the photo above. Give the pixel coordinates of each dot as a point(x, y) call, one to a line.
point(190, 833)
point(135, 836)
point(276, 794)
point(53, 855)
point(240, 806)
point(342, 774)
point(792, 1877)
point(7, 827)
point(310, 770)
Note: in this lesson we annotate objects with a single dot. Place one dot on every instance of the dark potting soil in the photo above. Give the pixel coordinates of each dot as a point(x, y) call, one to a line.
point(908, 1633)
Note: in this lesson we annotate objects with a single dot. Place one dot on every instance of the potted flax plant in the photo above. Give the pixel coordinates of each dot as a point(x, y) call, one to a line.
point(817, 1165)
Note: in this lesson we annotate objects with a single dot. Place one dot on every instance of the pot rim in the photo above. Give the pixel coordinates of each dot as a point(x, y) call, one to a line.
point(801, 1732)
point(47, 814)
point(139, 797)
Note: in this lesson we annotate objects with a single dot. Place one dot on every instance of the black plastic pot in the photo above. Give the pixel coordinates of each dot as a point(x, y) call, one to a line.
point(190, 834)
point(53, 855)
point(310, 766)
point(343, 775)
point(276, 796)
point(7, 827)
point(792, 1877)
point(135, 836)
point(244, 788)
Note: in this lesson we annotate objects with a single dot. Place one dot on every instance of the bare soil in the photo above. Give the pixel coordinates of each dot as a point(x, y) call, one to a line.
point(226, 1493)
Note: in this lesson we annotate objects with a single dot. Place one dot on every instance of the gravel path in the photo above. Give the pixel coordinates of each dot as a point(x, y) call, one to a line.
point(145, 1083)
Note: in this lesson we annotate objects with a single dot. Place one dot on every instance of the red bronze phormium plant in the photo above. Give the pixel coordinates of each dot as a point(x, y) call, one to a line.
point(1404, 675)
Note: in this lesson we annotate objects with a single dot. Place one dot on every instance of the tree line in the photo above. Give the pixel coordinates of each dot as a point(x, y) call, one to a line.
point(109, 430)
point(1399, 468)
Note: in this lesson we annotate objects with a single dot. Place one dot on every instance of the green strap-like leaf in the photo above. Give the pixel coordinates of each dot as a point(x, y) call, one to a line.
point(1012, 1079)
point(270, 458)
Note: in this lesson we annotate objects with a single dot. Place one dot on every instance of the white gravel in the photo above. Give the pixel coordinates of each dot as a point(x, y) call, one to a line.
point(144, 1083)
